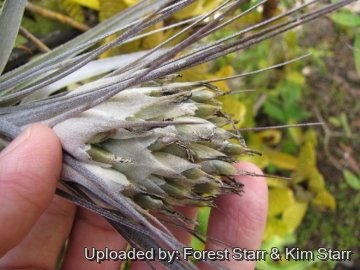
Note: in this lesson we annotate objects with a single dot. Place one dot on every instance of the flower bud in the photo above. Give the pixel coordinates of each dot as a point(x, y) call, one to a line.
point(218, 167)
point(101, 155)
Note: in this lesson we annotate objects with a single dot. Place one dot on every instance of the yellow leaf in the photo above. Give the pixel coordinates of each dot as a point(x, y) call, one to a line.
point(211, 4)
point(172, 32)
point(281, 160)
point(255, 141)
point(316, 181)
point(277, 183)
point(296, 134)
point(109, 8)
point(325, 199)
point(190, 11)
point(302, 194)
point(294, 214)
point(249, 18)
point(197, 8)
point(270, 136)
point(151, 41)
point(261, 162)
point(279, 200)
point(306, 162)
point(130, 2)
point(197, 73)
point(94, 4)
point(275, 227)
point(311, 137)
point(234, 107)
point(225, 71)
point(74, 10)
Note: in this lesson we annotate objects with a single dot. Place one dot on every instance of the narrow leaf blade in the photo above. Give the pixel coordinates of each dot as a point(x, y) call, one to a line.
point(10, 20)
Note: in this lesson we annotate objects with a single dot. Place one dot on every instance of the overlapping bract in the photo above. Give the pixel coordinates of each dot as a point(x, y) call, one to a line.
point(160, 145)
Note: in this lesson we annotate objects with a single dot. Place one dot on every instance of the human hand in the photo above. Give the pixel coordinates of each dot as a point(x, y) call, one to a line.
point(35, 224)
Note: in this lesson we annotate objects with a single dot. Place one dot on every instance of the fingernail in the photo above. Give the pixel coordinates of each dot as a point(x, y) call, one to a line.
point(19, 140)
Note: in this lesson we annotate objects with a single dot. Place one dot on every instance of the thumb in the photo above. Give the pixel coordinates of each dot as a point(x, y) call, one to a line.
point(29, 169)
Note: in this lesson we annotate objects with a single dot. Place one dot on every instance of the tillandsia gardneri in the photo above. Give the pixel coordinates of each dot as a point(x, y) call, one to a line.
point(134, 139)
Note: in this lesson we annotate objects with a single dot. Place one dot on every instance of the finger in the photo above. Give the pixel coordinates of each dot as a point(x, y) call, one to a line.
point(239, 221)
point(29, 169)
point(179, 233)
point(92, 231)
point(182, 234)
point(42, 246)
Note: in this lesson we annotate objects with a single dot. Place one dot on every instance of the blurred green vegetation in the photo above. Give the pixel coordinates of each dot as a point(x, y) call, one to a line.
point(320, 205)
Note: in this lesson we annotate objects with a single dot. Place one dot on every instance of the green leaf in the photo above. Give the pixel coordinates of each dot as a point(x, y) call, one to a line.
point(335, 121)
point(274, 111)
point(10, 20)
point(357, 53)
point(345, 124)
point(346, 18)
point(201, 227)
point(352, 180)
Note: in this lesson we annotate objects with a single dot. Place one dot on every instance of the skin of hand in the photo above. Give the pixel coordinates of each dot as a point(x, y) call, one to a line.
point(35, 223)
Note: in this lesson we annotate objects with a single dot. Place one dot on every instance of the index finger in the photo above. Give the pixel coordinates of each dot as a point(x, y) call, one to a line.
point(239, 221)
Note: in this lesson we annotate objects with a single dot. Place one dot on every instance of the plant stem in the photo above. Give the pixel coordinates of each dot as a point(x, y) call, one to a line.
point(56, 16)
